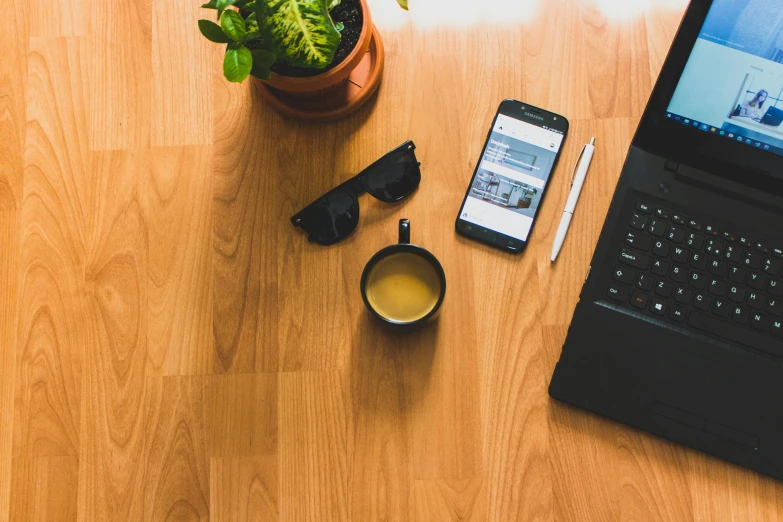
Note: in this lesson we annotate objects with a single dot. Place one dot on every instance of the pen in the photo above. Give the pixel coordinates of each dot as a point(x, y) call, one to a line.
point(580, 173)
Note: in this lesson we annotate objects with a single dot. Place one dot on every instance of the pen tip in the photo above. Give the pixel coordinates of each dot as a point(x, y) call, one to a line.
point(592, 141)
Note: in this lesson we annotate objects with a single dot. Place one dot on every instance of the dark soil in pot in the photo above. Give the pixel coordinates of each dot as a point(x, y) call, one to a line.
point(349, 12)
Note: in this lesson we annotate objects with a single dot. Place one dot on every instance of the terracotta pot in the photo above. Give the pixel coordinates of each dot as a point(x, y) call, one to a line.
point(329, 96)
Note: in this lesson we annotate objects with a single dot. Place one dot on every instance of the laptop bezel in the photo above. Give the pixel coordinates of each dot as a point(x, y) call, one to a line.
point(685, 145)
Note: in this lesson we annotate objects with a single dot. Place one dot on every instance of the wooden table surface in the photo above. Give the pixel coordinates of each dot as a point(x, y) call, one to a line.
point(172, 348)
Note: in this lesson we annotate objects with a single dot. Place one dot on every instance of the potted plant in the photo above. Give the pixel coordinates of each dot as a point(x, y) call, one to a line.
point(301, 54)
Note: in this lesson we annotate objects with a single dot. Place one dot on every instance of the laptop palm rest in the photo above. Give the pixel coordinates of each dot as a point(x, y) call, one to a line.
point(711, 389)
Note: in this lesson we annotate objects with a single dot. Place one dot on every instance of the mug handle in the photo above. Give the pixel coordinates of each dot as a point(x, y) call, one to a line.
point(405, 231)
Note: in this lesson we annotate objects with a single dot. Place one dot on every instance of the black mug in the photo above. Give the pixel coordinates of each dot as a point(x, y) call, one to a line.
point(403, 284)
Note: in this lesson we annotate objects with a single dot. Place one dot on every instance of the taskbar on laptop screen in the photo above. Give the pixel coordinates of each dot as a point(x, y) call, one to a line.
point(733, 134)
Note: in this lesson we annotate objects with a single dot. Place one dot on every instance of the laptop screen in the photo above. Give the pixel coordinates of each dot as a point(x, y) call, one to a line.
point(732, 85)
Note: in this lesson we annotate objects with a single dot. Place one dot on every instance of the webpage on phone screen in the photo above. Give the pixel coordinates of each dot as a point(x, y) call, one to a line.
point(512, 176)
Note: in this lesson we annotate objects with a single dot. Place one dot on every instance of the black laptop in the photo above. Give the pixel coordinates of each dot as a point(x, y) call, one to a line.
point(773, 117)
point(679, 326)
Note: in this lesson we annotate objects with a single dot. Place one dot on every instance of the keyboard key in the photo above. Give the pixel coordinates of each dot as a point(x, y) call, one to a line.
point(694, 241)
point(733, 253)
point(775, 307)
point(737, 294)
point(761, 247)
point(712, 230)
point(702, 302)
point(714, 247)
point(678, 313)
point(679, 255)
point(771, 267)
point(721, 308)
point(740, 314)
point(637, 240)
point(623, 275)
point(664, 288)
point(757, 281)
point(718, 268)
point(657, 228)
point(776, 328)
point(717, 287)
point(776, 288)
point(745, 241)
point(662, 213)
point(676, 234)
point(660, 268)
point(618, 293)
point(759, 322)
point(695, 225)
point(755, 300)
point(661, 248)
point(679, 274)
point(777, 252)
point(639, 300)
point(697, 280)
point(683, 295)
point(643, 207)
point(658, 306)
point(645, 282)
point(737, 275)
point(699, 261)
point(639, 222)
point(729, 236)
point(679, 219)
point(736, 335)
point(634, 259)
point(752, 260)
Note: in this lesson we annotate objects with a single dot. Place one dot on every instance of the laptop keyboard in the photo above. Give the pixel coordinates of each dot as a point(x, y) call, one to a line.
point(693, 274)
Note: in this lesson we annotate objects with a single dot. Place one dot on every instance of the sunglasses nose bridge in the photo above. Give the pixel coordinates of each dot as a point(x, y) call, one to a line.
point(357, 185)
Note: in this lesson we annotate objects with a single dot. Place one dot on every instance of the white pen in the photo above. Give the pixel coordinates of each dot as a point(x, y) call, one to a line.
point(580, 173)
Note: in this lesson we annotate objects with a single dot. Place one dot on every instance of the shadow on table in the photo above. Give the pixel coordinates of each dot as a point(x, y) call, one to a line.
point(391, 367)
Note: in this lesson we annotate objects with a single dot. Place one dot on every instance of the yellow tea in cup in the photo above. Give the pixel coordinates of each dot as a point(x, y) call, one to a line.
point(403, 287)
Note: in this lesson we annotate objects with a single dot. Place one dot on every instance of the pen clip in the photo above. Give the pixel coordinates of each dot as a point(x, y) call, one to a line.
point(576, 166)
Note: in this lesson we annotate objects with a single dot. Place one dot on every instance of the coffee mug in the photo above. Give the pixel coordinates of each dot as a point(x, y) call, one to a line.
point(403, 284)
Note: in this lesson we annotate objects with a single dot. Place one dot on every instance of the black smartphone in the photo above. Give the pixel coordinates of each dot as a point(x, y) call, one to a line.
point(512, 175)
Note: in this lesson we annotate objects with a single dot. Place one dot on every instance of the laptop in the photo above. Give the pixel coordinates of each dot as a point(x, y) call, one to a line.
point(773, 117)
point(679, 326)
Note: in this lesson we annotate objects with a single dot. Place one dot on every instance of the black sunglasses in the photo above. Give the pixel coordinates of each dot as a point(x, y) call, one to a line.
point(333, 216)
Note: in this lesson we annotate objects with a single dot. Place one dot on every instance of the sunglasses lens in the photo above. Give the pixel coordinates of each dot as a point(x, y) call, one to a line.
point(331, 218)
point(392, 178)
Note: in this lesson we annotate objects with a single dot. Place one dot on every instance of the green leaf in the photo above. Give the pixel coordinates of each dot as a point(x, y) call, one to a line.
point(403, 4)
point(212, 4)
point(333, 4)
point(242, 3)
point(262, 61)
point(212, 31)
point(339, 26)
point(222, 4)
point(233, 25)
point(301, 30)
point(237, 64)
point(250, 37)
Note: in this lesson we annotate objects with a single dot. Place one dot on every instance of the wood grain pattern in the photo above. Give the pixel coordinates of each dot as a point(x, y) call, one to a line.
point(171, 348)
point(178, 202)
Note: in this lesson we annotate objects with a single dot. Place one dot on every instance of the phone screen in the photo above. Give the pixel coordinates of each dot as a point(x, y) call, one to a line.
point(511, 177)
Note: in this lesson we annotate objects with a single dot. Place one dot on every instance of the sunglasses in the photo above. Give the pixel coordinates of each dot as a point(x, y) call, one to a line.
point(333, 216)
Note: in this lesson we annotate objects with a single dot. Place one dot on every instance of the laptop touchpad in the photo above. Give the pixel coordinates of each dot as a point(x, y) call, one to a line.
point(723, 388)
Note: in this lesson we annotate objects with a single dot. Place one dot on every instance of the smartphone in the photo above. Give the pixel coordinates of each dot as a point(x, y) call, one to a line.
point(512, 176)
